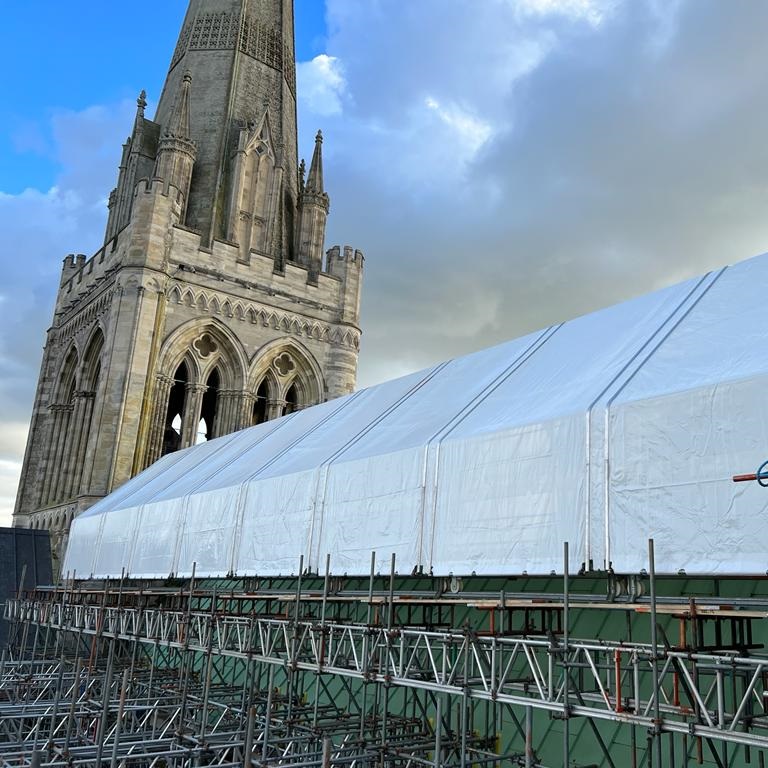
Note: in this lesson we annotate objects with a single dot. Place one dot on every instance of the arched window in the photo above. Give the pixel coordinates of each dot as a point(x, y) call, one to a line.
point(52, 489)
point(205, 429)
point(83, 435)
point(261, 404)
point(175, 413)
point(291, 400)
point(68, 380)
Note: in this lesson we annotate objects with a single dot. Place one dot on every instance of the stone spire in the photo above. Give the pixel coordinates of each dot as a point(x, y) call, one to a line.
point(314, 205)
point(176, 152)
point(137, 162)
point(141, 105)
point(178, 125)
point(315, 178)
point(240, 55)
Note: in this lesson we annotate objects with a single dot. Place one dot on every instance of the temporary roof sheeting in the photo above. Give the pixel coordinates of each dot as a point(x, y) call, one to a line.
point(604, 431)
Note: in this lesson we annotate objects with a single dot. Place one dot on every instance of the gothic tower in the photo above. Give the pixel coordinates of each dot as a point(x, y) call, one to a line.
point(211, 305)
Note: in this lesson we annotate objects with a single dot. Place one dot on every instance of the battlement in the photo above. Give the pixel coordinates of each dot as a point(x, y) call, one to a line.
point(223, 260)
point(71, 264)
point(79, 274)
point(155, 186)
point(348, 255)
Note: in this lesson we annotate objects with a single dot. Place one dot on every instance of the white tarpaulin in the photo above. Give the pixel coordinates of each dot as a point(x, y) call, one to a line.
point(604, 431)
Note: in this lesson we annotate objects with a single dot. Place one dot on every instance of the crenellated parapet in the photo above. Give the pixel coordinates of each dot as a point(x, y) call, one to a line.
point(346, 264)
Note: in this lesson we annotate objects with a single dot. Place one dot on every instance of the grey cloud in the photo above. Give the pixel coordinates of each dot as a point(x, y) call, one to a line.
point(621, 157)
point(632, 155)
point(39, 229)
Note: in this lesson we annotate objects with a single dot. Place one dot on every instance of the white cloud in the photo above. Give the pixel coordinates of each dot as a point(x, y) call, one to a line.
point(38, 229)
point(502, 169)
point(508, 164)
point(321, 85)
point(594, 12)
point(13, 438)
point(470, 130)
point(10, 471)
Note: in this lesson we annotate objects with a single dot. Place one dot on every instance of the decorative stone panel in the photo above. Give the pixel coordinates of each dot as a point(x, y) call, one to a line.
point(223, 30)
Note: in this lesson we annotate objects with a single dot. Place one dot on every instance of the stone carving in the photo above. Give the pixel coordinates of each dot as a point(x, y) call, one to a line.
point(220, 31)
point(284, 364)
point(266, 317)
point(205, 345)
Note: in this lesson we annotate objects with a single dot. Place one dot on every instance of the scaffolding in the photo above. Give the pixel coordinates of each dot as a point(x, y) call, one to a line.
point(244, 672)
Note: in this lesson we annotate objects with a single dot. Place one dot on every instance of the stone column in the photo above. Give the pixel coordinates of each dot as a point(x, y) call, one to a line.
point(233, 412)
point(71, 445)
point(88, 398)
point(56, 414)
point(193, 403)
point(245, 410)
point(160, 397)
point(59, 454)
point(81, 422)
point(275, 409)
point(223, 419)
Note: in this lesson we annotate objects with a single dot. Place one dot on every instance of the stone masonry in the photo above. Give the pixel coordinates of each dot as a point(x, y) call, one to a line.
point(212, 305)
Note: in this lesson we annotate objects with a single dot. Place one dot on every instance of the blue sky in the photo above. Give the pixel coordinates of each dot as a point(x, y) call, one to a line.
point(87, 52)
point(503, 164)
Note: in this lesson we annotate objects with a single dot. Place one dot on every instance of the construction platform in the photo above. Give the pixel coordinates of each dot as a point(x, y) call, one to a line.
point(398, 670)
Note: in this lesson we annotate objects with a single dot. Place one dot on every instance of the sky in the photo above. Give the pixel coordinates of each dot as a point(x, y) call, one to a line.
point(503, 164)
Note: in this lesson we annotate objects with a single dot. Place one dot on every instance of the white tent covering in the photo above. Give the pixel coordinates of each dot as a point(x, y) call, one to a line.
point(604, 431)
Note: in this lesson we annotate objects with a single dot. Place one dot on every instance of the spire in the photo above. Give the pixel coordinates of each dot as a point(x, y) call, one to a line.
point(178, 125)
point(313, 213)
point(240, 54)
point(176, 152)
point(141, 105)
point(315, 178)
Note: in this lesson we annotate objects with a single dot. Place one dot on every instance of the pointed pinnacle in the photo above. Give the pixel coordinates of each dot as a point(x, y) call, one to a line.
point(315, 178)
point(178, 125)
point(141, 102)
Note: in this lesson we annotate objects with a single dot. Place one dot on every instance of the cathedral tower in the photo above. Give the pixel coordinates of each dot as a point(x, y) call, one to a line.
point(211, 305)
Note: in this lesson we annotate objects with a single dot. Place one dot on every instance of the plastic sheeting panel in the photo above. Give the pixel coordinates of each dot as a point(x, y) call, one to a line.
point(603, 431)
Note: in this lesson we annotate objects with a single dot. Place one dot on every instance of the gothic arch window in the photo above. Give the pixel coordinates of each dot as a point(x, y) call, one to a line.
point(92, 361)
point(261, 404)
point(82, 438)
point(54, 483)
point(294, 376)
point(207, 424)
point(67, 379)
point(291, 400)
point(204, 405)
point(266, 396)
point(174, 416)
